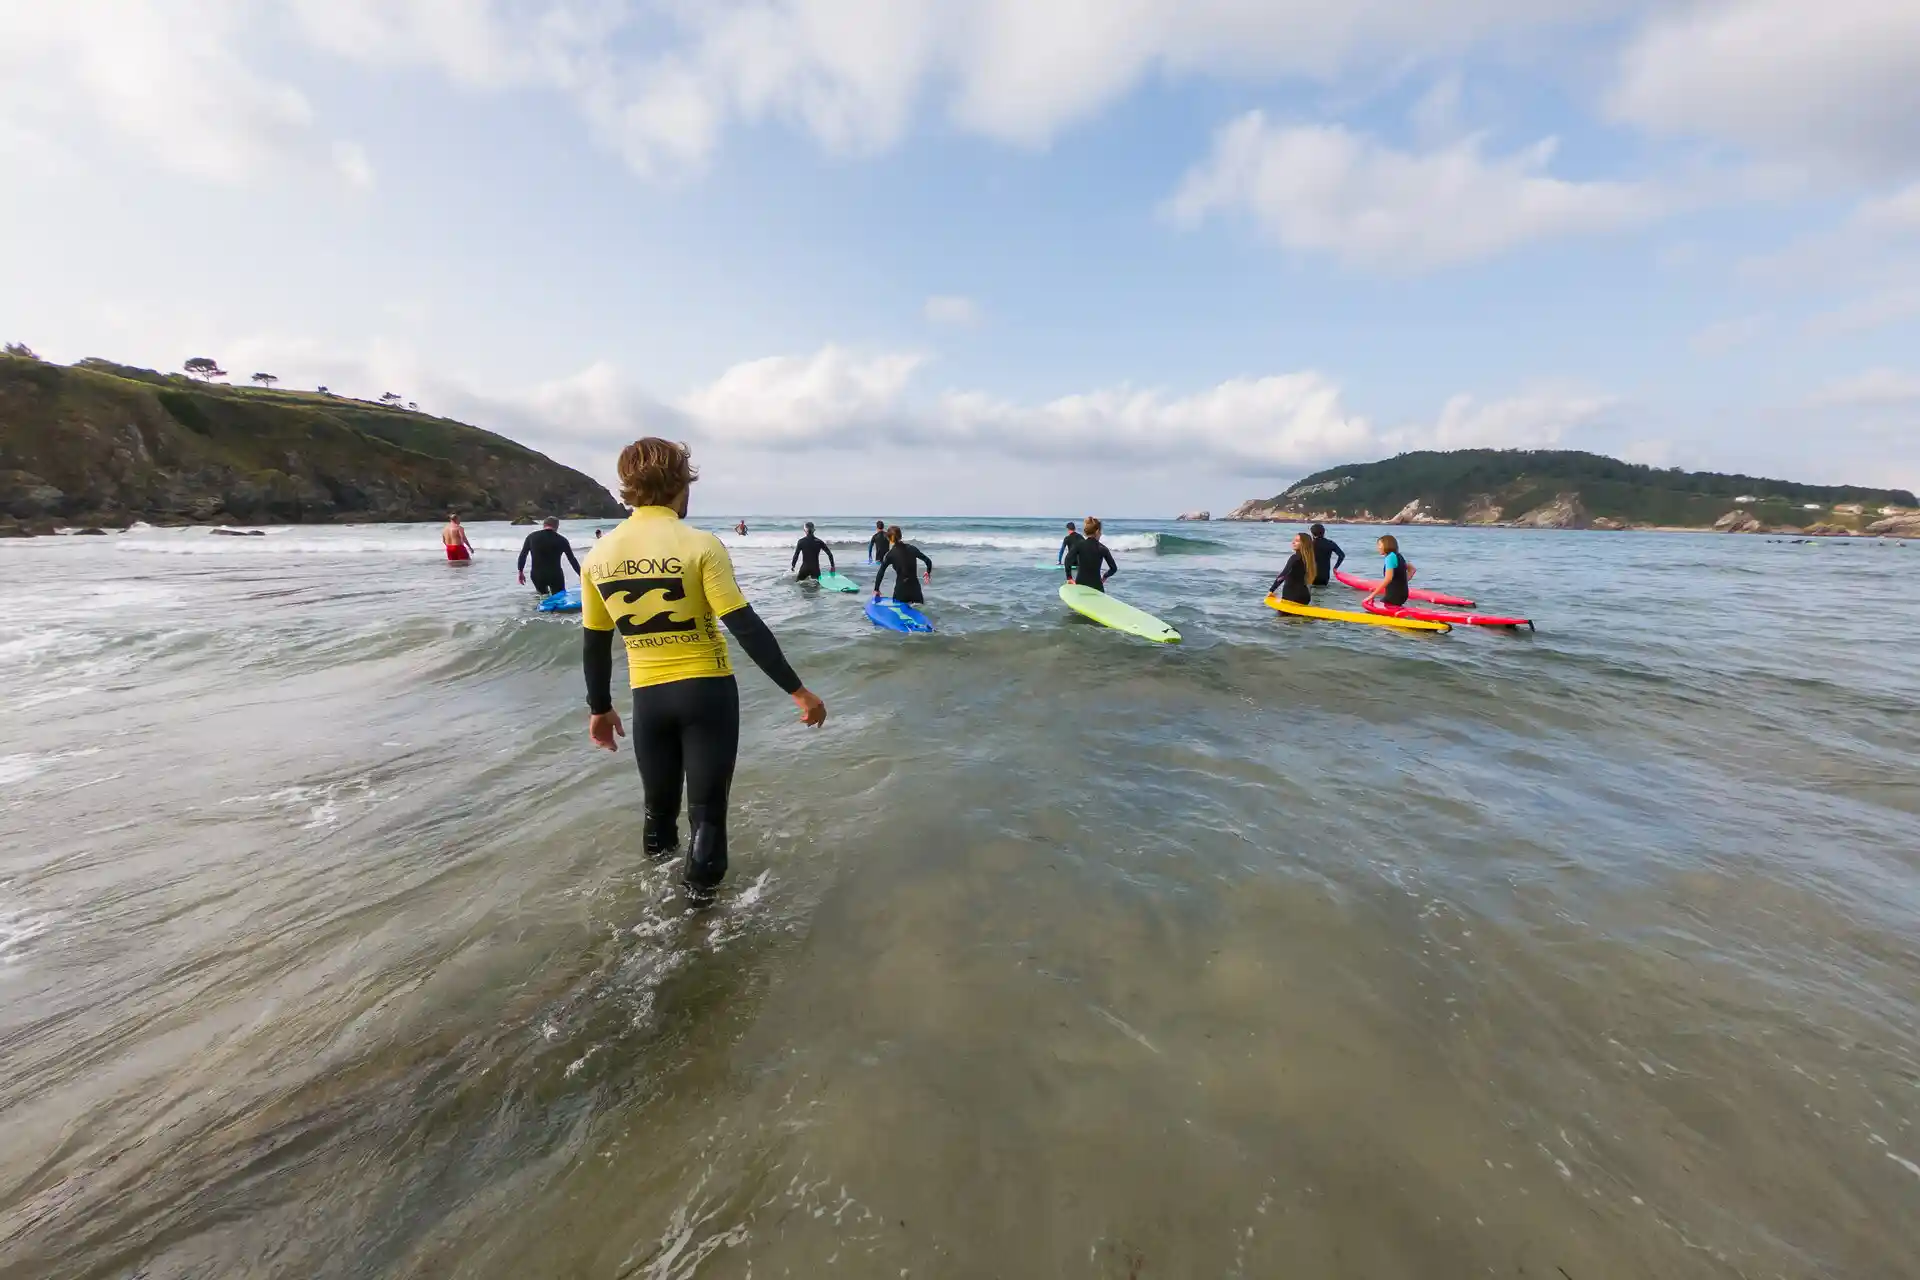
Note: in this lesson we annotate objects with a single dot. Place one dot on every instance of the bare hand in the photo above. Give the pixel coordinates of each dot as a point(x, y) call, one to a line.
point(813, 712)
point(605, 727)
point(523, 579)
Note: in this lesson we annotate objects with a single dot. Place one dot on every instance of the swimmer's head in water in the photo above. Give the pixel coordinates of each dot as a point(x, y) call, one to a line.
point(1388, 543)
point(1093, 526)
point(893, 533)
point(1318, 531)
point(655, 472)
point(551, 522)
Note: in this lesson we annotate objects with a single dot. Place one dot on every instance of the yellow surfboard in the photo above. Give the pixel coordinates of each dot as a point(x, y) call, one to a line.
point(1342, 615)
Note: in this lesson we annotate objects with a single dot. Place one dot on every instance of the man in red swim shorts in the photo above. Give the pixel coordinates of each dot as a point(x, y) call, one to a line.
point(455, 538)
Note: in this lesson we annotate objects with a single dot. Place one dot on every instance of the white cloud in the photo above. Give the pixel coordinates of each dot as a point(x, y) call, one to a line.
point(163, 76)
point(1863, 315)
point(1319, 188)
point(661, 82)
point(1834, 85)
point(1538, 419)
point(952, 309)
point(1724, 336)
point(1875, 388)
point(1895, 214)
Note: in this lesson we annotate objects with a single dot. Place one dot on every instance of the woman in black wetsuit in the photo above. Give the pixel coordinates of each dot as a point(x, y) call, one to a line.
point(1292, 584)
point(900, 557)
point(1091, 564)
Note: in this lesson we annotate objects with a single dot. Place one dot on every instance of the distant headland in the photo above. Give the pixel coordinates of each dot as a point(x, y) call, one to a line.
point(105, 444)
point(1569, 489)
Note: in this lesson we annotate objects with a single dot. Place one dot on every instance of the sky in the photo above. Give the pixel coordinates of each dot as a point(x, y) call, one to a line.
point(1013, 257)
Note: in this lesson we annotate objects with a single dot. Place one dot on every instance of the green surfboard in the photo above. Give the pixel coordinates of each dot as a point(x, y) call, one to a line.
point(835, 582)
point(1118, 614)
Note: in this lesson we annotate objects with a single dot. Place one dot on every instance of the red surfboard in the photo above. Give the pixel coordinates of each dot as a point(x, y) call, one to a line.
point(1413, 593)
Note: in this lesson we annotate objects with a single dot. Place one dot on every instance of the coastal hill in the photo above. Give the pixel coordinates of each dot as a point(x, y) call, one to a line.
point(1568, 489)
point(104, 444)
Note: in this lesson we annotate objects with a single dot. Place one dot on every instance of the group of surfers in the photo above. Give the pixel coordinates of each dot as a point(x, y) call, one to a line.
point(666, 588)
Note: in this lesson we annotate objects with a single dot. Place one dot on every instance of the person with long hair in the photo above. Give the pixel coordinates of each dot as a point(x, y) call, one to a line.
point(1292, 584)
point(1091, 564)
point(1393, 585)
point(903, 558)
point(666, 588)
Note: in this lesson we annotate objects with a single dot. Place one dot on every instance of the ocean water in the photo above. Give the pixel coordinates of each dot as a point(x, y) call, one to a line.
point(1299, 949)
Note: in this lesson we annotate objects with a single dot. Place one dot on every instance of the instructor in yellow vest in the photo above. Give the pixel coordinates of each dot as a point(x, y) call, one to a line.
point(665, 587)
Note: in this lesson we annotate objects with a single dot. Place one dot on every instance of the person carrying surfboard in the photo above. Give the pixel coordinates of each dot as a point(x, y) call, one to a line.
point(454, 539)
point(806, 554)
point(1393, 586)
point(877, 544)
point(1069, 544)
point(1091, 563)
point(664, 586)
point(901, 557)
point(1327, 555)
point(1298, 572)
point(545, 547)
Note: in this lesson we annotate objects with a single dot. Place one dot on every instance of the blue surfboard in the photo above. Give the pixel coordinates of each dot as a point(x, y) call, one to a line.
point(895, 616)
point(567, 601)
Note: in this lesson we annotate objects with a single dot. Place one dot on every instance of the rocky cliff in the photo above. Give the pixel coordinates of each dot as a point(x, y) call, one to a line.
point(107, 445)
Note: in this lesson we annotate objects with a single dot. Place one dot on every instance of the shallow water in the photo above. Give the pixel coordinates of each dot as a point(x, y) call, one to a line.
point(1298, 949)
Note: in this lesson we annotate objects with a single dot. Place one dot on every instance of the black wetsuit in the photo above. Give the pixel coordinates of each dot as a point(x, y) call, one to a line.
point(1291, 585)
point(1069, 546)
point(877, 547)
point(545, 547)
point(1396, 589)
point(1327, 556)
point(806, 553)
point(688, 732)
point(1088, 559)
point(906, 582)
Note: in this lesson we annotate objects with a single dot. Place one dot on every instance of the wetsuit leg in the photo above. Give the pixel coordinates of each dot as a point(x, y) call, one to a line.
point(710, 733)
point(657, 748)
point(907, 590)
point(548, 583)
point(1296, 593)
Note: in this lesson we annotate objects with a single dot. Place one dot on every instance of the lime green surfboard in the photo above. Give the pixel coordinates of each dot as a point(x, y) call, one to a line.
point(1118, 614)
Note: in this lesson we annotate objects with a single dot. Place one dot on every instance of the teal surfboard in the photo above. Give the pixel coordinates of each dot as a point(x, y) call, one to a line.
point(832, 581)
point(1118, 614)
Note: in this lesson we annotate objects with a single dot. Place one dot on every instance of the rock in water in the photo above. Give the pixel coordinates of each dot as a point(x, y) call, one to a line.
point(1906, 525)
point(1739, 522)
point(1194, 515)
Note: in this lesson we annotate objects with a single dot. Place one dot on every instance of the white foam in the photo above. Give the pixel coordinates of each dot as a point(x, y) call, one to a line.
point(17, 928)
point(23, 765)
point(369, 540)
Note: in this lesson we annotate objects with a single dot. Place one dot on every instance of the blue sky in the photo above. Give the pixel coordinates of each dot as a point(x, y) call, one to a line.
point(1028, 257)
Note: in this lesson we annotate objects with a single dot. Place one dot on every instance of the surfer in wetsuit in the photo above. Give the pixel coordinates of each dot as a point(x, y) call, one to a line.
point(454, 538)
point(1291, 585)
point(1069, 545)
point(1091, 564)
point(1327, 555)
point(664, 587)
point(877, 544)
point(1393, 588)
point(900, 557)
point(806, 554)
point(545, 546)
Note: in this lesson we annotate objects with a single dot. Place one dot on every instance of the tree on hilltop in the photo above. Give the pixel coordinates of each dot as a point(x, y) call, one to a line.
point(265, 379)
point(21, 350)
point(204, 369)
point(392, 399)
